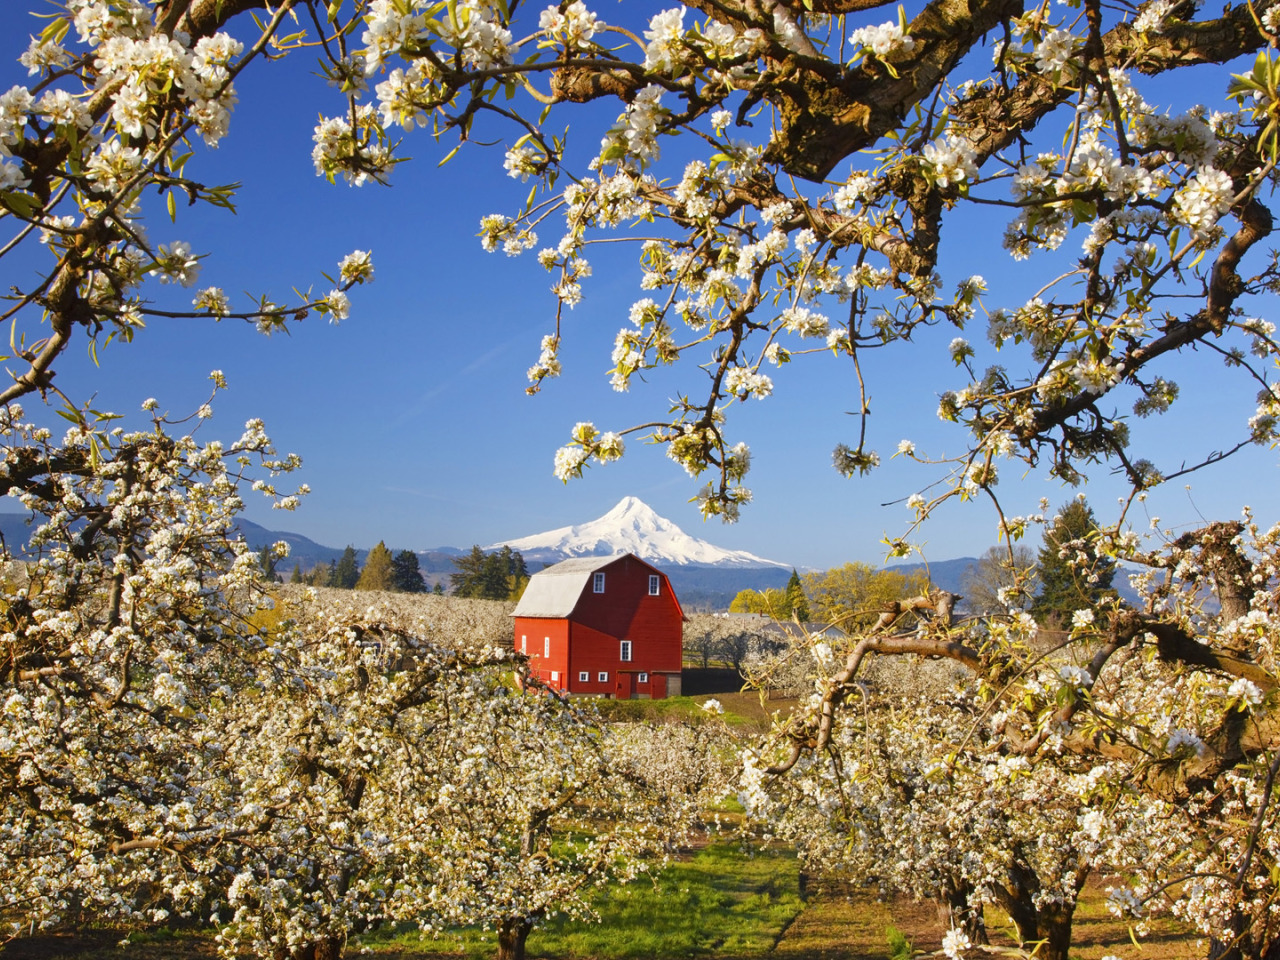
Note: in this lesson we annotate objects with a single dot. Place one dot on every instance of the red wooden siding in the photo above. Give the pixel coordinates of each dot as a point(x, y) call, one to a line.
point(538, 631)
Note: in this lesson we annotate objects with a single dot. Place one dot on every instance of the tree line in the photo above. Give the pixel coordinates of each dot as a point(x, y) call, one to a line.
point(398, 572)
point(1071, 570)
point(501, 575)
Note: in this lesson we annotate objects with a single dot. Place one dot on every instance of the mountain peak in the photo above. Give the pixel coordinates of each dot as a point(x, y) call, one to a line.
point(630, 506)
point(631, 527)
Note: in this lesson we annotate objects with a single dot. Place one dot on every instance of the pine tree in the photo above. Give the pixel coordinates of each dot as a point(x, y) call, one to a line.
point(519, 576)
point(1072, 574)
point(267, 561)
point(467, 581)
point(296, 576)
point(406, 574)
point(438, 589)
point(493, 577)
point(797, 603)
point(347, 572)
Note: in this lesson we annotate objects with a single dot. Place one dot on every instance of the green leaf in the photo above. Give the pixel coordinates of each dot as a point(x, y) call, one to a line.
point(20, 203)
point(449, 156)
point(55, 31)
point(173, 207)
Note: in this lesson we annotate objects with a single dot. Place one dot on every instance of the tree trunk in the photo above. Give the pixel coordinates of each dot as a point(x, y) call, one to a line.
point(1055, 928)
point(1049, 927)
point(325, 948)
point(512, 933)
point(955, 911)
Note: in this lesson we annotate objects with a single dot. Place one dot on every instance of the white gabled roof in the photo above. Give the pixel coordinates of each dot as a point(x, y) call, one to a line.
point(554, 592)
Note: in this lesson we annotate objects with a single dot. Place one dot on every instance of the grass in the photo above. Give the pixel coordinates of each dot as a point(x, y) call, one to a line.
point(724, 899)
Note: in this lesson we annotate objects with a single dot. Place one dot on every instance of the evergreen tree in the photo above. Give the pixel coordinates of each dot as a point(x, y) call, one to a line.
point(519, 576)
point(267, 561)
point(797, 603)
point(438, 589)
point(347, 572)
point(495, 576)
point(296, 576)
point(379, 570)
point(467, 581)
point(1072, 574)
point(406, 575)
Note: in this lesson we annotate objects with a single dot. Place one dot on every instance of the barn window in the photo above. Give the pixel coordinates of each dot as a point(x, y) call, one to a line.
point(603, 676)
point(555, 676)
point(655, 584)
point(625, 654)
point(584, 676)
point(643, 678)
point(524, 644)
point(546, 646)
point(597, 583)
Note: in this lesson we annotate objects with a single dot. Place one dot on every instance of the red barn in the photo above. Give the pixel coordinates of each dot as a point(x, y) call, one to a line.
point(602, 626)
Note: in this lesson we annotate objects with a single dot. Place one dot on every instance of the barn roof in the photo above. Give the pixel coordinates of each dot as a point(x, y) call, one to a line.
point(554, 592)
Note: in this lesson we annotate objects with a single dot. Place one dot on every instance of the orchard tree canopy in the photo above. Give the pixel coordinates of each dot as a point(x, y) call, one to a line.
point(823, 150)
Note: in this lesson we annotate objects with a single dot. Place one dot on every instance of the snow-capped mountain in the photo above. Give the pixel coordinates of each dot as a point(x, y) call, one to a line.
point(632, 527)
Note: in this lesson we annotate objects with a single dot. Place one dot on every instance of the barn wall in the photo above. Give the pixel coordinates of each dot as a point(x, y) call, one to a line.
point(596, 653)
point(537, 630)
point(624, 611)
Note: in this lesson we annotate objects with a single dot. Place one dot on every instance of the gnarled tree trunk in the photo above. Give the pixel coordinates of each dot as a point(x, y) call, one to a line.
point(512, 934)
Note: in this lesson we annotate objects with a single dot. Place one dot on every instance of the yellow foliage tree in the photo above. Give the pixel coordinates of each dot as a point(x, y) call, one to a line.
point(853, 595)
point(379, 570)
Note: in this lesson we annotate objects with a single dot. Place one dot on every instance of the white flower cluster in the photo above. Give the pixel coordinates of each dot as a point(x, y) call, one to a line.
point(635, 138)
point(882, 40)
point(804, 322)
point(950, 160)
point(475, 29)
point(1203, 199)
point(663, 51)
point(746, 382)
point(574, 26)
point(1152, 16)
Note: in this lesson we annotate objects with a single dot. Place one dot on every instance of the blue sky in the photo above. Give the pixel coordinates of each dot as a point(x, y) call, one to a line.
point(411, 416)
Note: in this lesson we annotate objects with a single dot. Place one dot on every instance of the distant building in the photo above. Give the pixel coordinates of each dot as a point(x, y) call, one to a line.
point(602, 626)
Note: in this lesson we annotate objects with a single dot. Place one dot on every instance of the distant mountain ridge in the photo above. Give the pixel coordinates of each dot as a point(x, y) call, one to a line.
point(704, 576)
point(631, 527)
